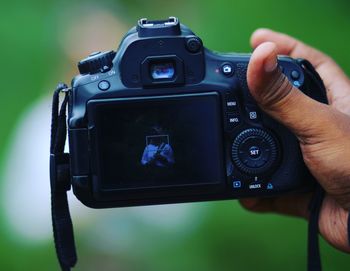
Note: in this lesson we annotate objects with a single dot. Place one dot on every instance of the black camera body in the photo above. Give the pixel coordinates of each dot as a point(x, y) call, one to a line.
point(165, 120)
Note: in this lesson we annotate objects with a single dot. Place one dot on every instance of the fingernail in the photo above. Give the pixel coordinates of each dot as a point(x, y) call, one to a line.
point(270, 63)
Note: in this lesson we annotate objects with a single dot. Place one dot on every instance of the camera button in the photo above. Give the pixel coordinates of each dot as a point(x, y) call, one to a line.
point(295, 75)
point(269, 186)
point(231, 103)
point(104, 85)
point(233, 120)
point(253, 113)
point(236, 184)
point(254, 152)
point(193, 45)
point(227, 69)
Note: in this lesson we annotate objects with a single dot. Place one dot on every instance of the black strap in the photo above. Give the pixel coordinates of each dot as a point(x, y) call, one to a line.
point(314, 259)
point(314, 82)
point(313, 248)
point(349, 228)
point(322, 97)
point(60, 184)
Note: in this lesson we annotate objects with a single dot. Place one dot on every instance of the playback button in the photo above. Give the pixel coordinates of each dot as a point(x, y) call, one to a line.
point(236, 184)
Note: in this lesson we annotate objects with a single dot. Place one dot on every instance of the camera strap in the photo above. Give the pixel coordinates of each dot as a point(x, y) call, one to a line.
point(60, 183)
point(314, 258)
point(313, 247)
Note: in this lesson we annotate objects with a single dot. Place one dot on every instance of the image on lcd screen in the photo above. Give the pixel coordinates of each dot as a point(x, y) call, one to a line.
point(155, 143)
point(158, 151)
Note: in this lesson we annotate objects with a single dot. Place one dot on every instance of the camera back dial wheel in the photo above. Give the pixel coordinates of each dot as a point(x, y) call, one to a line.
point(255, 152)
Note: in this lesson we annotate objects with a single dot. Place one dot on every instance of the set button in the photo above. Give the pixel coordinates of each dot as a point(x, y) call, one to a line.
point(254, 152)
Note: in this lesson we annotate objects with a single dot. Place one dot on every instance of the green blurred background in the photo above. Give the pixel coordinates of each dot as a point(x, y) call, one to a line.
point(41, 42)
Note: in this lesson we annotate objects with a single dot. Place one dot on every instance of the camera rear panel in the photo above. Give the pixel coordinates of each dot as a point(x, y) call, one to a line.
point(144, 129)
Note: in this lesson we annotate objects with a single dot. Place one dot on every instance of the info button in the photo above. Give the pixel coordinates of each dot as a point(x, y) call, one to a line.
point(233, 120)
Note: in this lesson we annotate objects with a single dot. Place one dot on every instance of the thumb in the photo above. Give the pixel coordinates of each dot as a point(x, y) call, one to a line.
point(280, 99)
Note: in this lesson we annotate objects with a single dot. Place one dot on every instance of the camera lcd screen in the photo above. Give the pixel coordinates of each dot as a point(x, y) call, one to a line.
point(162, 141)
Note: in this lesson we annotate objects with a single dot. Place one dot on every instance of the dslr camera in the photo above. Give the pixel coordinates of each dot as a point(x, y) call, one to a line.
point(165, 120)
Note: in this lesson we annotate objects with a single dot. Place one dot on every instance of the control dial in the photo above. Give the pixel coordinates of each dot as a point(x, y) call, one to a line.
point(254, 151)
point(96, 62)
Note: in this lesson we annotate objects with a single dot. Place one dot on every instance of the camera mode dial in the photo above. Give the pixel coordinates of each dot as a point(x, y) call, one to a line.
point(254, 151)
point(96, 62)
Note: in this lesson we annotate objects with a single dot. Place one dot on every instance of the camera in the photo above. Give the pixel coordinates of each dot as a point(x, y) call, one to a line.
point(165, 120)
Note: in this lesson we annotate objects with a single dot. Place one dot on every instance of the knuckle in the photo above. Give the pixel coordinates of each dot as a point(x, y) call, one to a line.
point(276, 90)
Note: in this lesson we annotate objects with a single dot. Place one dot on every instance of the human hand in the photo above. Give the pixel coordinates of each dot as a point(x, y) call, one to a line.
point(323, 130)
